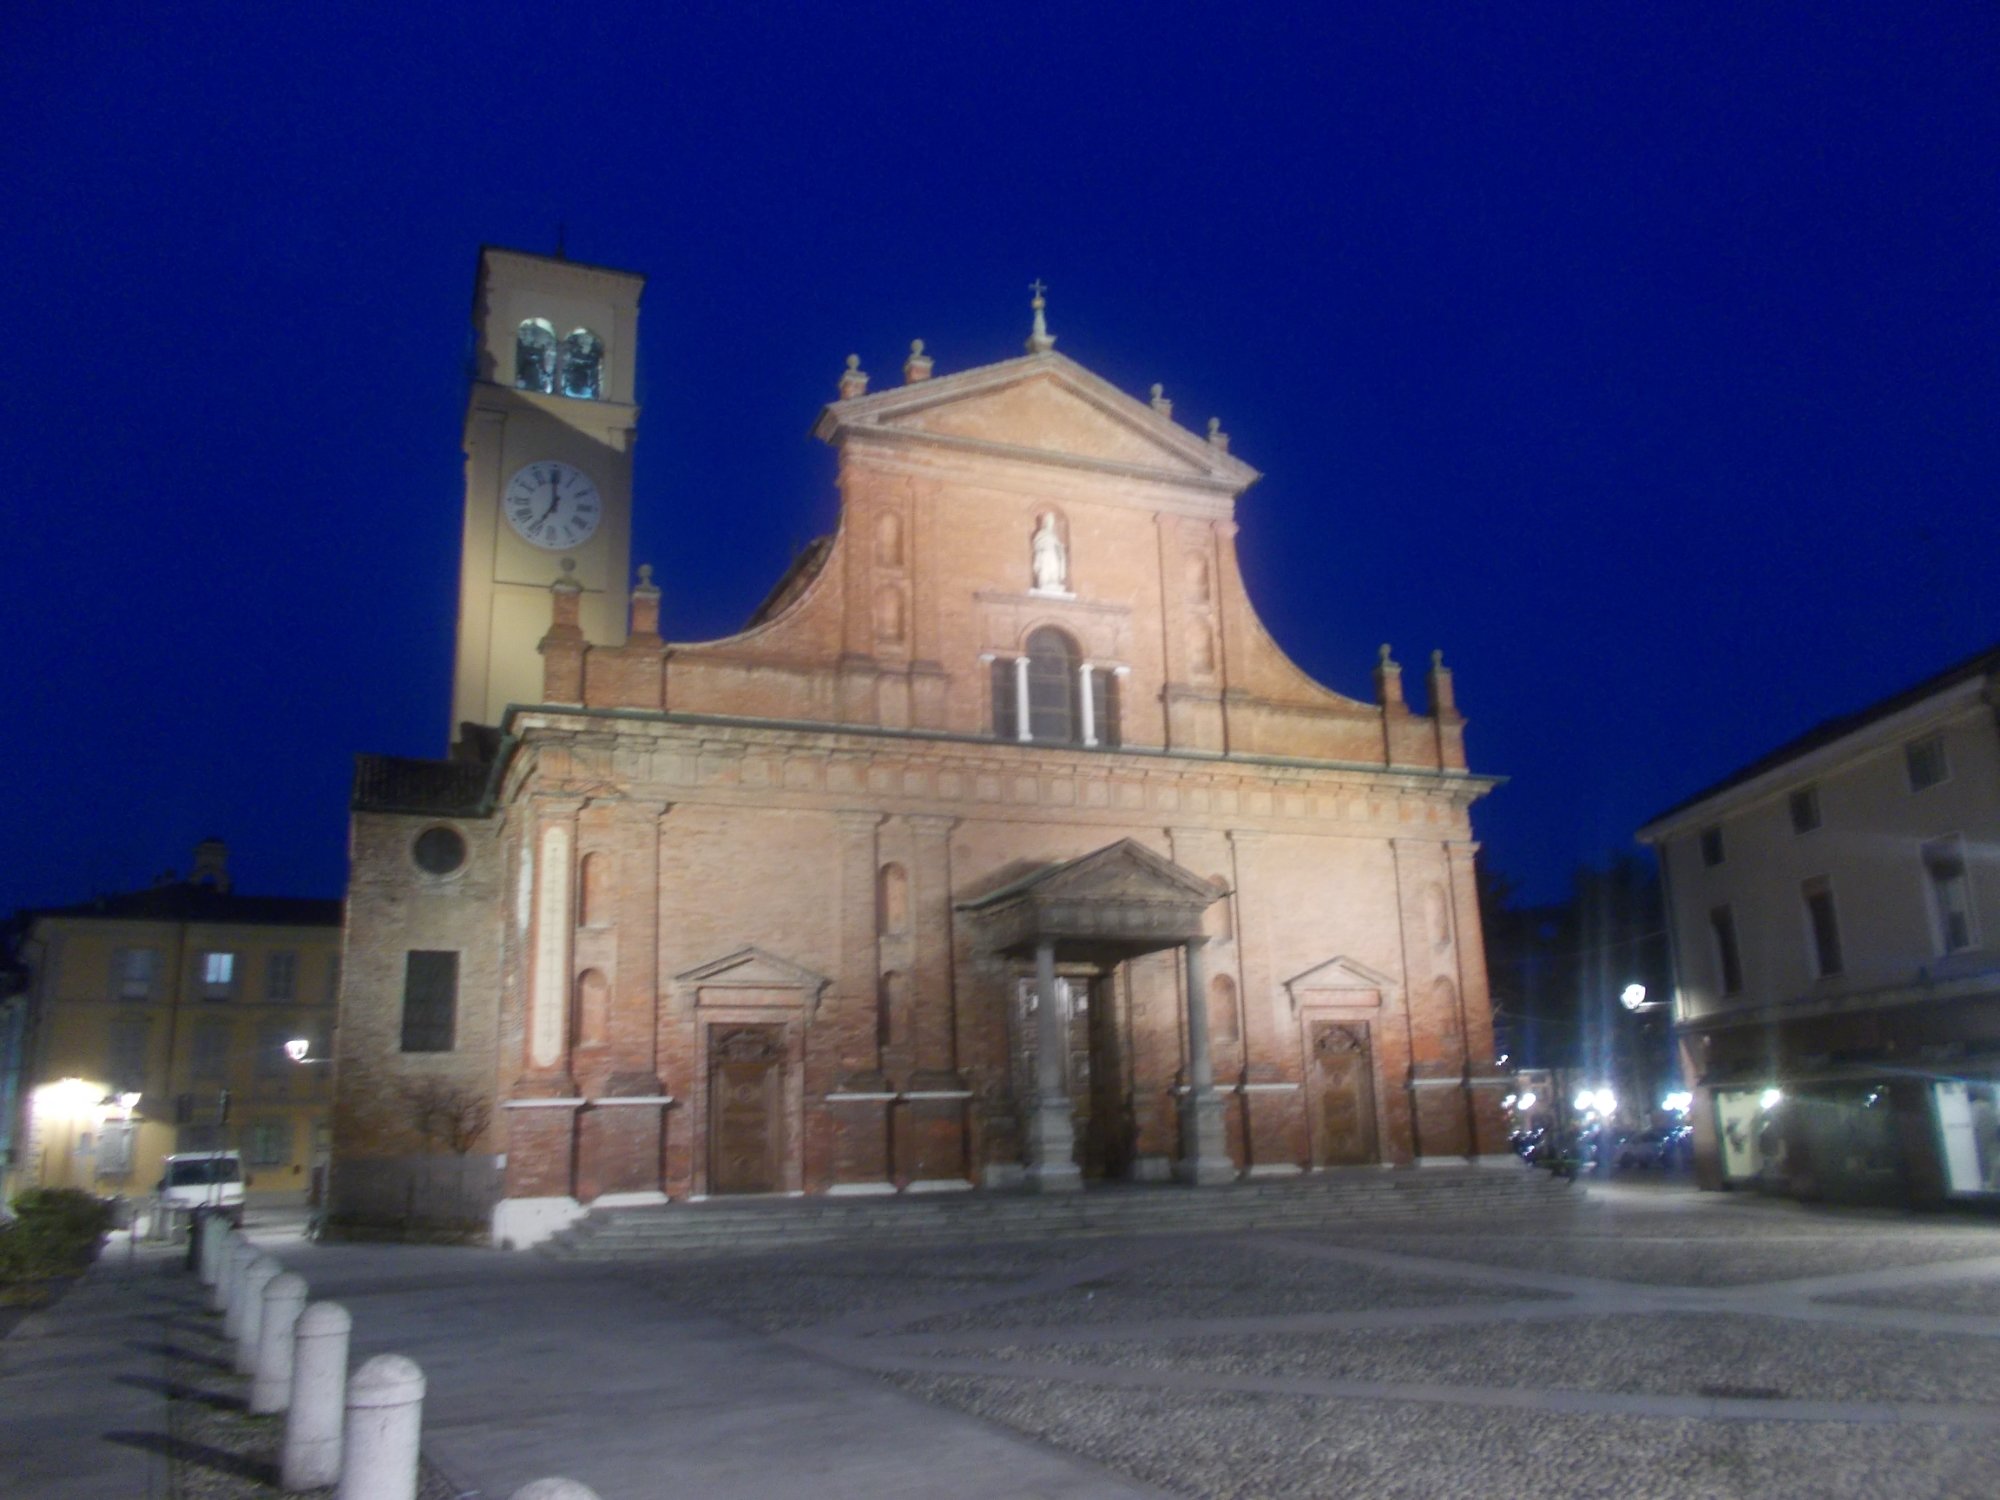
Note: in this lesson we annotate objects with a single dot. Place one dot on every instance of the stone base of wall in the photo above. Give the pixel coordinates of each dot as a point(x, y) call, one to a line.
point(523, 1223)
point(415, 1191)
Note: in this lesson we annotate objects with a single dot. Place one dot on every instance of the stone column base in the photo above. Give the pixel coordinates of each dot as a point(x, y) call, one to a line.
point(1051, 1149)
point(1204, 1142)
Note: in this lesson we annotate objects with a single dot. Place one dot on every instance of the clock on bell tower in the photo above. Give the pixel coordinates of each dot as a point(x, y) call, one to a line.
point(549, 429)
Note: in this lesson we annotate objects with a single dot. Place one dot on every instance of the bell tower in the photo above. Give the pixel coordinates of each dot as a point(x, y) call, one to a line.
point(549, 430)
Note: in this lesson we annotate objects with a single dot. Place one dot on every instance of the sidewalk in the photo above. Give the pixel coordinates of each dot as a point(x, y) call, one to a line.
point(535, 1368)
point(82, 1408)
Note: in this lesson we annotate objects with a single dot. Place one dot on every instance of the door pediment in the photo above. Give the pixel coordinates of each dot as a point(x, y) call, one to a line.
point(750, 976)
point(1341, 980)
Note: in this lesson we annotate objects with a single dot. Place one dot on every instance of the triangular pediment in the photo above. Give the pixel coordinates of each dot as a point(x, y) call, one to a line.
point(1339, 973)
point(1043, 407)
point(1124, 873)
point(753, 969)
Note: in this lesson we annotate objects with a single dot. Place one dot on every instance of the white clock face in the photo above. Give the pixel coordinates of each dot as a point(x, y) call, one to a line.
point(552, 505)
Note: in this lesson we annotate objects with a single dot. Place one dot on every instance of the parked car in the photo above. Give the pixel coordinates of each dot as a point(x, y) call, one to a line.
point(1665, 1147)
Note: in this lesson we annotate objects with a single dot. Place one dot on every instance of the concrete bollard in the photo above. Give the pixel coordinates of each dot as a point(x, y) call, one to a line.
point(211, 1230)
point(241, 1260)
point(319, 1394)
point(553, 1489)
point(271, 1377)
point(263, 1271)
point(225, 1250)
point(385, 1424)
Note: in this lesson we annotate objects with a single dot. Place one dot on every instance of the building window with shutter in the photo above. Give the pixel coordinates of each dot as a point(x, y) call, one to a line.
point(218, 975)
point(268, 1143)
point(134, 971)
point(1805, 809)
point(126, 1065)
point(1925, 761)
point(1728, 961)
point(1951, 896)
point(430, 1001)
point(211, 1051)
point(1823, 927)
point(281, 977)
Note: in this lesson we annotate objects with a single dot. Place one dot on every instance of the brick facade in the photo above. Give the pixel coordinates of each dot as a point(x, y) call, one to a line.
point(715, 916)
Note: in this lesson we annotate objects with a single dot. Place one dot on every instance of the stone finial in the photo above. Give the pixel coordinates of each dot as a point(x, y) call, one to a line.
point(1437, 686)
point(1040, 340)
point(1216, 435)
point(566, 583)
point(645, 604)
point(854, 379)
point(1160, 403)
point(918, 365)
point(1388, 679)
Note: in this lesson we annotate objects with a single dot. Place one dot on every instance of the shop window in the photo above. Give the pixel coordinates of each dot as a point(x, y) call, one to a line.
point(430, 1001)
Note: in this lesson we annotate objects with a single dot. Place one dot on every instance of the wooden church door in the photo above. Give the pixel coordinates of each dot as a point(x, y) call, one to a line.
point(1343, 1082)
point(746, 1110)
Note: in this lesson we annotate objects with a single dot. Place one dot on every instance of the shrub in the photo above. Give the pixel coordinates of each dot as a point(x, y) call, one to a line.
point(70, 1213)
point(56, 1235)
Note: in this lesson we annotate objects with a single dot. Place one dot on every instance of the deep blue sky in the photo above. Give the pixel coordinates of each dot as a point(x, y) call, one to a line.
point(1644, 358)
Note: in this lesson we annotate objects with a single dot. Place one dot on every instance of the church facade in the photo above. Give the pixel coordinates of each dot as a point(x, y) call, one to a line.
point(1003, 847)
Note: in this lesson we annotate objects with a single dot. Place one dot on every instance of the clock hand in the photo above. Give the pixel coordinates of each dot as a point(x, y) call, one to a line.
point(555, 499)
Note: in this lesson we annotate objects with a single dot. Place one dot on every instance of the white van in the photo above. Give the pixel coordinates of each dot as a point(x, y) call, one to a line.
point(203, 1179)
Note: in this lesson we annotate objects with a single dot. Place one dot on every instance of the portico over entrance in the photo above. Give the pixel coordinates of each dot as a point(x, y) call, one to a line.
point(1101, 909)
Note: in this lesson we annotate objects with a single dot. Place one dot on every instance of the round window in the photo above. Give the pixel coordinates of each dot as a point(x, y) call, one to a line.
point(439, 851)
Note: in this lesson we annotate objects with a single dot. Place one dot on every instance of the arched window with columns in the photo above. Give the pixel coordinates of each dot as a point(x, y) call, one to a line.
point(1052, 695)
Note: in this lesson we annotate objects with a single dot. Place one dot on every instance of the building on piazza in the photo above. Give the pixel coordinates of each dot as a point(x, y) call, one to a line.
point(1003, 847)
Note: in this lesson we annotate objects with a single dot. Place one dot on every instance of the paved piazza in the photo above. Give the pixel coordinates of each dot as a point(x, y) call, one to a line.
point(1648, 1342)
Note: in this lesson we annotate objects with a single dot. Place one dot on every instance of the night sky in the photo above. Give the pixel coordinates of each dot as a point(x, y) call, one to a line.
point(1643, 358)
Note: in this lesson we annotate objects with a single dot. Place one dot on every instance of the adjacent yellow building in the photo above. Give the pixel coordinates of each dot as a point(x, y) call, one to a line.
point(167, 1020)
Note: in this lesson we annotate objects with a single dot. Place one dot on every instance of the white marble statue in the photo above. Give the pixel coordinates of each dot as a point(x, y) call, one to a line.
point(1051, 558)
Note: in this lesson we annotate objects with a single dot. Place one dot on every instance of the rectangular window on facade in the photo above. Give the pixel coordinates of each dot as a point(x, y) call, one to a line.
point(430, 1001)
point(134, 971)
point(273, 1065)
point(268, 1143)
point(1951, 896)
point(210, 1052)
point(1925, 759)
point(1805, 809)
point(1823, 927)
point(1711, 847)
point(1104, 706)
point(125, 1067)
point(1729, 962)
point(281, 977)
point(114, 1149)
point(218, 975)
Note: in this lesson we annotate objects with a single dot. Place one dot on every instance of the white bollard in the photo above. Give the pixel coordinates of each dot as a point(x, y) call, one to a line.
point(271, 1379)
point(225, 1252)
point(263, 1271)
point(319, 1397)
point(211, 1242)
point(241, 1260)
point(553, 1489)
point(385, 1424)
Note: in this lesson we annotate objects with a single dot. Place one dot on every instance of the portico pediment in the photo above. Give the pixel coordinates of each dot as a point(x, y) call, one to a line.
point(1120, 897)
point(1043, 407)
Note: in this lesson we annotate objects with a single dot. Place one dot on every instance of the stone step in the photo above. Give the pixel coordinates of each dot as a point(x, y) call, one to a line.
point(721, 1225)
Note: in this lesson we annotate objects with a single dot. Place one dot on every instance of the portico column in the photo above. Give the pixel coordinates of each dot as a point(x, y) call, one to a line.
point(1023, 730)
point(1089, 708)
point(1051, 1136)
point(1204, 1140)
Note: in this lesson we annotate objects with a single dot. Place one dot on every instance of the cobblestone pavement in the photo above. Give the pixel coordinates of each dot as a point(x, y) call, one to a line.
point(1646, 1343)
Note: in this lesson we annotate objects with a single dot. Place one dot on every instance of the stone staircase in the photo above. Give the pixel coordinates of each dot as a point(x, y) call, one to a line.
point(1321, 1200)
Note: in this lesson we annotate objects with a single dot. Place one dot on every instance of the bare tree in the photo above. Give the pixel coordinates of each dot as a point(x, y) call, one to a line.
point(447, 1113)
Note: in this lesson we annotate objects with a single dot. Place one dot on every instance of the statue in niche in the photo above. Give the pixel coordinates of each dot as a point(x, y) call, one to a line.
point(1051, 557)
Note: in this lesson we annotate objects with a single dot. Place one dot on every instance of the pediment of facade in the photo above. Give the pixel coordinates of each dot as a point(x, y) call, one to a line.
point(1122, 874)
point(1341, 979)
point(1042, 407)
point(752, 968)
